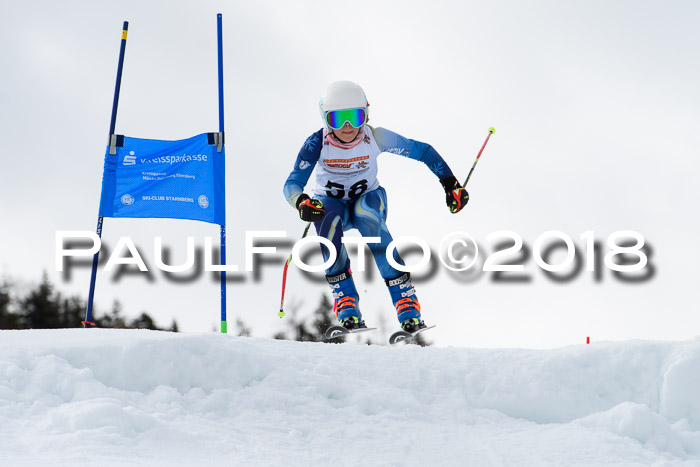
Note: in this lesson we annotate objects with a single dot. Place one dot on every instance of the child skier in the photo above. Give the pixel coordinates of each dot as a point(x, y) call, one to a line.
point(347, 195)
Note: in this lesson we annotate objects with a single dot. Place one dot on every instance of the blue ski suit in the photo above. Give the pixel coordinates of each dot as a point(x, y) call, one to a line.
point(347, 185)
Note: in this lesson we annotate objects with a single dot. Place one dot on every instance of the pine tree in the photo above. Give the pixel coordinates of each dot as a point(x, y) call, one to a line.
point(144, 321)
point(45, 308)
point(8, 319)
point(71, 311)
point(303, 331)
point(242, 329)
point(113, 319)
point(40, 309)
point(323, 319)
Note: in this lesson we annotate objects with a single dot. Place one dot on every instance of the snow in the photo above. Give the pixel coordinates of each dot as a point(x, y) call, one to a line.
point(136, 397)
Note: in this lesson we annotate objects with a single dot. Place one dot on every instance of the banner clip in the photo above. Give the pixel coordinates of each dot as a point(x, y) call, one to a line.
point(217, 139)
point(112, 144)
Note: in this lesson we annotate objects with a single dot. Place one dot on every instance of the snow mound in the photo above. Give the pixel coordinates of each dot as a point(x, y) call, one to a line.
point(118, 397)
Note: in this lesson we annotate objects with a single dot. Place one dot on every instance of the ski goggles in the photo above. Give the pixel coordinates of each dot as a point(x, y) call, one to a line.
point(336, 119)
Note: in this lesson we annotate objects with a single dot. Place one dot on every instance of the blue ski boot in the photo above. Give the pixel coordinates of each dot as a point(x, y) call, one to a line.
point(346, 300)
point(407, 307)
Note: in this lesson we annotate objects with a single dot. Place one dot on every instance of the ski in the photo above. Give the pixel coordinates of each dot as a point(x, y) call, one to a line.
point(401, 336)
point(337, 331)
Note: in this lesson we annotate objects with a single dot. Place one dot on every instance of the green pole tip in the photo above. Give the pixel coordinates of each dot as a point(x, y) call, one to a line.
point(492, 130)
point(280, 314)
point(224, 327)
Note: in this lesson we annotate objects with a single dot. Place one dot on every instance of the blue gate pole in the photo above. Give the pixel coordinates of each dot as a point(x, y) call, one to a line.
point(113, 123)
point(224, 326)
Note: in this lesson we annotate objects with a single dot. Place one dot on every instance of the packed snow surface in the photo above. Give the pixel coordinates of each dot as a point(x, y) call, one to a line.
point(127, 397)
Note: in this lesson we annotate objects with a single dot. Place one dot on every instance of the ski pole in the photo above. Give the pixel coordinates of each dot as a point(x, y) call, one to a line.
point(284, 274)
point(492, 130)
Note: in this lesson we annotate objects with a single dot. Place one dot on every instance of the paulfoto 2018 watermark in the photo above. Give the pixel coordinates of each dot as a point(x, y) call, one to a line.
point(624, 251)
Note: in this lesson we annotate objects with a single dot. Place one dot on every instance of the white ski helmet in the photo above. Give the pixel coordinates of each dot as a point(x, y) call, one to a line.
point(342, 95)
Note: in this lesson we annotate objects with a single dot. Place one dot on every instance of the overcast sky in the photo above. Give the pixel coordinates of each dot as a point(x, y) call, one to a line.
point(596, 106)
